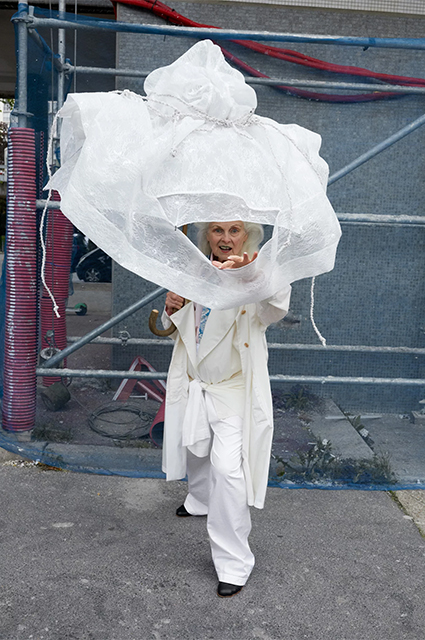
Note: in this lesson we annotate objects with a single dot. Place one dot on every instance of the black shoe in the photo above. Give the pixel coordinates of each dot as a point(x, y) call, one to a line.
point(227, 590)
point(181, 512)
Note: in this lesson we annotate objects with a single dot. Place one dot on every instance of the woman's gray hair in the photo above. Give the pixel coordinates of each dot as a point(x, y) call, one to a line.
point(253, 229)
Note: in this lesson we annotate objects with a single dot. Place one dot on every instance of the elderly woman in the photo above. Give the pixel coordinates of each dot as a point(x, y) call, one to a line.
point(218, 417)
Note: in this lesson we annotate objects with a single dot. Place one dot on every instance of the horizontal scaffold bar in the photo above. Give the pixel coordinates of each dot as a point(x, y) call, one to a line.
point(381, 219)
point(357, 218)
point(162, 375)
point(102, 373)
point(285, 346)
point(289, 82)
point(52, 204)
point(414, 382)
point(225, 34)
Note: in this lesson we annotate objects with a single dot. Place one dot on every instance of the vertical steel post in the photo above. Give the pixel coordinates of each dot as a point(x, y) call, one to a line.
point(22, 67)
point(61, 52)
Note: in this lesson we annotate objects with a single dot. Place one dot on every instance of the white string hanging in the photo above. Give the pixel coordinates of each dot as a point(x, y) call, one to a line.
point(319, 335)
point(43, 217)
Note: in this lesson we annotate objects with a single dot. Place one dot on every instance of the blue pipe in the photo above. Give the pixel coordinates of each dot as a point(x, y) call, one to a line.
point(228, 34)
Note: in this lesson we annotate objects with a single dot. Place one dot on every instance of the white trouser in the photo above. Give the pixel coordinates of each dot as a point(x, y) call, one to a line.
point(217, 488)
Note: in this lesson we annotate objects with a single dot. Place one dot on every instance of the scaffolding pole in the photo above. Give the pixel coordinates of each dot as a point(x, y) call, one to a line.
point(284, 346)
point(162, 375)
point(228, 34)
point(61, 52)
point(21, 108)
point(290, 82)
point(349, 218)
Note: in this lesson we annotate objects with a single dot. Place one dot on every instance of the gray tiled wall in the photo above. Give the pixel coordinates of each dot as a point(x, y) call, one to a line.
point(375, 294)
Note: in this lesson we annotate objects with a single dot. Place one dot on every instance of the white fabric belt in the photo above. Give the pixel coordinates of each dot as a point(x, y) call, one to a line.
point(200, 412)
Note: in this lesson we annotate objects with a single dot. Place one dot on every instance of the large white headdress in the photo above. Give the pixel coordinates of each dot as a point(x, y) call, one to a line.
point(135, 169)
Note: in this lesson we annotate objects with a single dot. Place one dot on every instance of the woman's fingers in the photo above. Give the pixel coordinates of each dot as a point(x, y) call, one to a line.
point(228, 264)
point(173, 302)
point(238, 260)
point(234, 262)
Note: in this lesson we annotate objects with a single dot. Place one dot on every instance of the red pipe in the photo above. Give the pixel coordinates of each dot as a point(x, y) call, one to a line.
point(58, 242)
point(162, 10)
point(289, 55)
point(20, 354)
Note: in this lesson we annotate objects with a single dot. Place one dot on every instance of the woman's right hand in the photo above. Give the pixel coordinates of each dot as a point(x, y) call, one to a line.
point(173, 302)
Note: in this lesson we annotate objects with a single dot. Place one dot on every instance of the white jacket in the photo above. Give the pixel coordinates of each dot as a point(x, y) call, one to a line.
point(251, 323)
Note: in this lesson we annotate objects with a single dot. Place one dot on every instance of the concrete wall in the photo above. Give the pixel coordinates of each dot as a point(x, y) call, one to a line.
point(375, 294)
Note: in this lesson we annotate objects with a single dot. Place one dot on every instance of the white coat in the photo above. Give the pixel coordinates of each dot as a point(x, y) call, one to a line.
point(251, 323)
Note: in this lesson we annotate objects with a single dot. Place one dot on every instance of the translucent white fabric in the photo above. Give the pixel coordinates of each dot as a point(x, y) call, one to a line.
point(135, 169)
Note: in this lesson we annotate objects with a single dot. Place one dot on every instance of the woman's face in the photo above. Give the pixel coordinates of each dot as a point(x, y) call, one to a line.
point(226, 239)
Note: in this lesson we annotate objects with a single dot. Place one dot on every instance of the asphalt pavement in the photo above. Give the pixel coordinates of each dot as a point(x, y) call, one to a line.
point(91, 557)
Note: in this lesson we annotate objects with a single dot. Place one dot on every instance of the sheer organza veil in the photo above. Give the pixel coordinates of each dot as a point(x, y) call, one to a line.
point(134, 169)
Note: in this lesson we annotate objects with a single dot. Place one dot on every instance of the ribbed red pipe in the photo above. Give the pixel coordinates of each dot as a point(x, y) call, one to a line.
point(20, 357)
point(58, 240)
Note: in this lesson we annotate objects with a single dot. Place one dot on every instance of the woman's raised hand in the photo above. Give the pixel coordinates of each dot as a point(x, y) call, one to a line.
point(173, 302)
point(234, 262)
